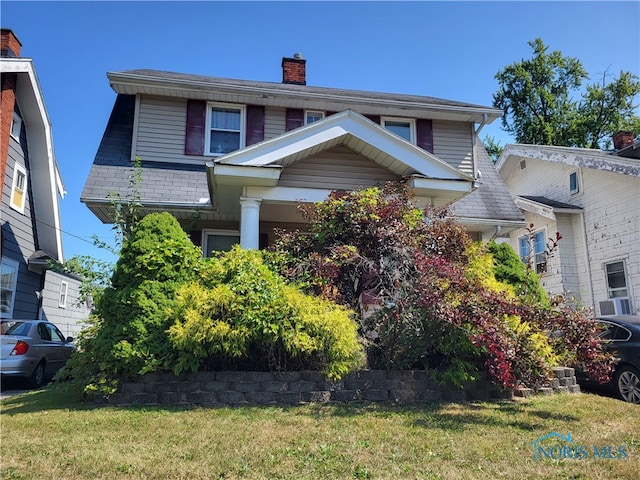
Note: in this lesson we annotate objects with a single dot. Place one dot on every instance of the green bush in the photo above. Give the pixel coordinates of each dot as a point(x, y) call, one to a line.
point(510, 269)
point(128, 334)
point(239, 312)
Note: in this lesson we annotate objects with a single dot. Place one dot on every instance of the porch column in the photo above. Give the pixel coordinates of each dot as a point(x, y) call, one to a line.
point(250, 222)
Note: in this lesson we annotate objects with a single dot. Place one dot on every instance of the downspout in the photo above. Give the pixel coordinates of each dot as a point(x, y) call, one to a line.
point(586, 251)
point(482, 124)
point(497, 233)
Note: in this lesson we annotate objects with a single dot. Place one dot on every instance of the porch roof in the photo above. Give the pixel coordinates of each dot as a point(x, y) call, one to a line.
point(260, 165)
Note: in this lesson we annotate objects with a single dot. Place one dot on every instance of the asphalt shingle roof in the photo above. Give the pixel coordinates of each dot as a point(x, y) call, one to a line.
point(491, 200)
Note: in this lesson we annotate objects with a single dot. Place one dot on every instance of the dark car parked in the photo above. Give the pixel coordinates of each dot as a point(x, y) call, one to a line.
point(621, 336)
point(33, 350)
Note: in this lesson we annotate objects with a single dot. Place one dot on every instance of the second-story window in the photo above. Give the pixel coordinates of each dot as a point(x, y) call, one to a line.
point(64, 288)
point(19, 188)
point(533, 251)
point(313, 116)
point(401, 127)
point(226, 127)
point(574, 183)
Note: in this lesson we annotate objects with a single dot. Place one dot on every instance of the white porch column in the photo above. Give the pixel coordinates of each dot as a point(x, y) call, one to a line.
point(250, 222)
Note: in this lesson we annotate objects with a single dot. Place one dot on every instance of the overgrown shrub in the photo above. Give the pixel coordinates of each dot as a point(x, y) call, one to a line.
point(128, 334)
point(170, 309)
point(241, 312)
point(429, 298)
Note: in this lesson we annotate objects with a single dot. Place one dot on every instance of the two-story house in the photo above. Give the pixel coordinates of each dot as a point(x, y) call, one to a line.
point(31, 190)
point(232, 159)
point(592, 198)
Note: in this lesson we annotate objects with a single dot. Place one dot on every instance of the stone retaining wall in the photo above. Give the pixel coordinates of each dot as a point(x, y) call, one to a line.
point(564, 382)
point(292, 388)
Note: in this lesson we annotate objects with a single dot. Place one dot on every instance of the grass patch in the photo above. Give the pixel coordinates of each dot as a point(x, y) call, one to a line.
point(46, 435)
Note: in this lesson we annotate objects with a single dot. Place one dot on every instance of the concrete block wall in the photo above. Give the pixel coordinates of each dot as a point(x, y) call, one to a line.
point(293, 388)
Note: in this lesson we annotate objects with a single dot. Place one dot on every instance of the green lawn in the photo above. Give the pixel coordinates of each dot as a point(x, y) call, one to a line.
point(44, 435)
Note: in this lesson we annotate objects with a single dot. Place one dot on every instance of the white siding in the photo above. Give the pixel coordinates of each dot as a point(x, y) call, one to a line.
point(275, 122)
point(611, 204)
point(161, 130)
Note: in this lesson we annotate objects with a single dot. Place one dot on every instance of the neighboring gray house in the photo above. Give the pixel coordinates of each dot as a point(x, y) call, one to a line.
point(31, 190)
point(592, 198)
point(232, 159)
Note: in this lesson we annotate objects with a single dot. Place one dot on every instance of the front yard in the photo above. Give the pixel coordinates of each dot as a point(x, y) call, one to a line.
point(45, 435)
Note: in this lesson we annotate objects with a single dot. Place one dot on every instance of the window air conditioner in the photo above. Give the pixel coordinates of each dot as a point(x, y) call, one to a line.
point(615, 306)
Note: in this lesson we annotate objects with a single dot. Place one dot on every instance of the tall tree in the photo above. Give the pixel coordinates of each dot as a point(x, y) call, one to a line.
point(536, 96)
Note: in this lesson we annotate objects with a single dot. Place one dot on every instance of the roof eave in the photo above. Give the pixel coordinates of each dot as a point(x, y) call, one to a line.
point(34, 112)
point(134, 83)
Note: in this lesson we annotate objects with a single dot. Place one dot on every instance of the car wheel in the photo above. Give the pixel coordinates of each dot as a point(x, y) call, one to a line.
point(37, 377)
point(628, 384)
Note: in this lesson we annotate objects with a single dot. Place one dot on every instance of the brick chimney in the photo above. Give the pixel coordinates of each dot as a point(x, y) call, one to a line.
point(10, 45)
point(294, 70)
point(622, 138)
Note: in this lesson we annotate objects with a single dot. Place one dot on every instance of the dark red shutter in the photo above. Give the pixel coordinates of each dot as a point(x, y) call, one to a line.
point(194, 136)
point(295, 118)
point(196, 237)
point(328, 114)
point(374, 118)
point(424, 134)
point(255, 124)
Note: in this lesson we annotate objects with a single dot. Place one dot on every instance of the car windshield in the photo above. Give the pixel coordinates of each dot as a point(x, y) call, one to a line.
point(18, 328)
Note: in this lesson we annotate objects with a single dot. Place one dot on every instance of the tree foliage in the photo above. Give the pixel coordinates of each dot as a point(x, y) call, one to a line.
point(493, 148)
point(537, 96)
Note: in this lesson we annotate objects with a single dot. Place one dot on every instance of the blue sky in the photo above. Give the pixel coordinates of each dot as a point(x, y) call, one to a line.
point(450, 50)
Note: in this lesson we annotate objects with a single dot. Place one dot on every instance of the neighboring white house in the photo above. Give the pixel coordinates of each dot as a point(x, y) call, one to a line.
point(592, 198)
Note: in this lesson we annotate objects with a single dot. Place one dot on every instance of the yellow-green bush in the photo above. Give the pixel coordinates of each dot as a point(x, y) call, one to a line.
point(240, 309)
